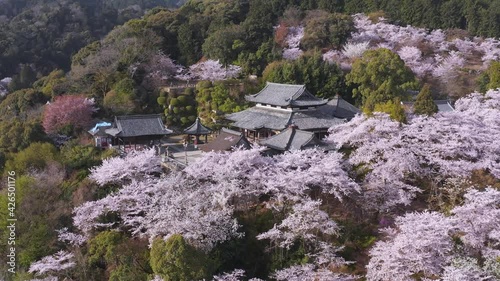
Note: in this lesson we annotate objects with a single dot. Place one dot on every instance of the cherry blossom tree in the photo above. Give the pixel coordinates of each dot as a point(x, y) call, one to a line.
point(209, 70)
point(70, 238)
point(199, 202)
point(292, 40)
point(68, 110)
point(135, 165)
point(355, 50)
point(305, 222)
point(159, 69)
point(235, 275)
point(60, 261)
point(425, 243)
point(452, 144)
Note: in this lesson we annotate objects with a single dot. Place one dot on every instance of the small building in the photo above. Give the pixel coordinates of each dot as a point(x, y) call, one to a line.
point(227, 140)
point(101, 138)
point(197, 130)
point(293, 139)
point(133, 131)
point(280, 105)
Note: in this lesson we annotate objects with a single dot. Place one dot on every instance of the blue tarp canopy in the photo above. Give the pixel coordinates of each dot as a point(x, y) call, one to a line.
point(100, 124)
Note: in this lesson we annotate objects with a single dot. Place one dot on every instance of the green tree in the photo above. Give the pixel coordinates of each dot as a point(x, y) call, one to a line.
point(424, 104)
point(122, 99)
point(127, 259)
point(490, 79)
point(35, 157)
point(380, 76)
point(179, 108)
point(394, 108)
point(321, 78)
point(224, 44)
point(327, 30)
point(175, 259)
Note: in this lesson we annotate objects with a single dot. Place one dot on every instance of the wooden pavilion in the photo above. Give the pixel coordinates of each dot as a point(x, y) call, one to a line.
point(197, 129)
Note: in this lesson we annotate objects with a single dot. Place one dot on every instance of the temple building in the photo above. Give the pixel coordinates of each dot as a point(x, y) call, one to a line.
point(131, 132)
point(227, 140)
point(280, 105)
point(293, 139)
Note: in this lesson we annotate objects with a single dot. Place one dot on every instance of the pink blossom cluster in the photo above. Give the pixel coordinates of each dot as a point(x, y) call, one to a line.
point(391, 155)
point(293, 51)
point(442, 57)
point(425, 243)
point(209, 70)
point(61, 260)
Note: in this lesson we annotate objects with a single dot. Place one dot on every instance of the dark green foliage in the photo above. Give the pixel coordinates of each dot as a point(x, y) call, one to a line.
point(325, 30)
point(255, 62)
point(51, 85)
point(179, 108)
point(321, 78)
point(122, 99)
point(76, 156)
point(224, 44)
point(39, 211)
point(20, 121)
point(175, 259)
point(24, 79)
point(490, 79)
point(46, 33)
point(424, 104)
point(380, 76)
point(219, 98)
point(36, 156)
point(125, 258)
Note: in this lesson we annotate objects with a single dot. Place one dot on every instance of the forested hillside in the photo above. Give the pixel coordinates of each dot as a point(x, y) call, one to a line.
point(407, 195)
point(43, 35)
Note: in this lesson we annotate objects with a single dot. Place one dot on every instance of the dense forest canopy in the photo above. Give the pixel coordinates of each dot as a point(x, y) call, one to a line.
point(89, 214)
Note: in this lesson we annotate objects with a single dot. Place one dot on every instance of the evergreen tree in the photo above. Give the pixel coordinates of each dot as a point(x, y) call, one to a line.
point(424, 103)
point(175, 259)
point(393, 108)
point(379, 76)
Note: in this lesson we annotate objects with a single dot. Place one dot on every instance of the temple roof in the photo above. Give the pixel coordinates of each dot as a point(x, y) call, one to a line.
point(225, 141)
point(275, 119)
point(138, 125)
point(442, 105)
point(285, 95)
point(340, 108)
point(291, 139)
point(197, 128)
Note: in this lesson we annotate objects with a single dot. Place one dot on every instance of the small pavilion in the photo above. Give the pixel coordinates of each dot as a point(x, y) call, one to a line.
point(197, 130)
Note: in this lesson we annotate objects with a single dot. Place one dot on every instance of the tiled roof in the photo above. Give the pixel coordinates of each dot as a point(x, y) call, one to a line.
point(138, 125)
point(291, 139)
point(340, 108)
point(275, 119)
point(226, 140)
point(197, 128)
point(286, 95)
point(444, 105)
